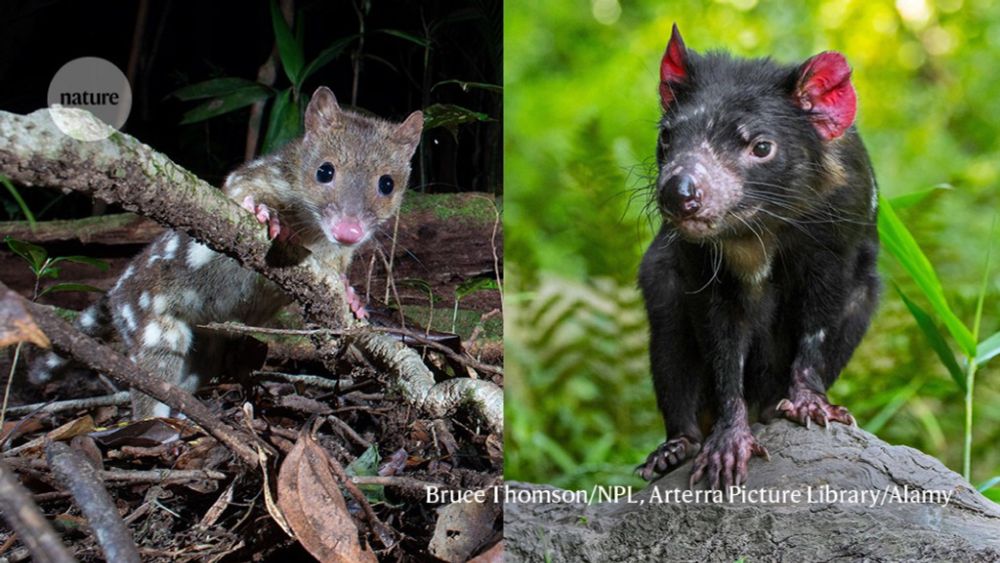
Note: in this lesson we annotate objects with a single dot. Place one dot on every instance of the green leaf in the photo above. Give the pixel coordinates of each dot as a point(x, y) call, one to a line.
point(99, 264)
point(324, 58)
point(466, 86)
point(214, 88)
point(288, 48)
point(33, 254)
point(406, 36)
point(450, 117)
point(898, 241)
point(912, 199)
point(20, 201)
point(225, 104)
point(988, 349)
point(283, 124)
point(473, 285)
point(60, 287)
point(367, 465)
point(935, 338)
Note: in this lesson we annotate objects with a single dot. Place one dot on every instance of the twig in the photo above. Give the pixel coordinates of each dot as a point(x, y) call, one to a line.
point(75, 473)
point(349, 432)
point(160, 475)
point(25, 518)
point(71, 404)
point(408, 483)
point(310, 380)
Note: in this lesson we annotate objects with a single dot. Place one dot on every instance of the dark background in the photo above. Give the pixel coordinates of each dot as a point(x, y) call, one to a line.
point(179, 43)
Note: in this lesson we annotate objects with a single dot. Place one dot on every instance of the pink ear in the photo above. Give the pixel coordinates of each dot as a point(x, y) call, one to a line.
point(673, 67)
point(824, 89)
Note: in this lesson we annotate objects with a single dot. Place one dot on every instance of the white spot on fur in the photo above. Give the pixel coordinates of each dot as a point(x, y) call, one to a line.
point(170, 247)
point(161, 410)
point(88, 319)
point(177, 336)
point(874, 200)
point(159, 304)
point(151, 336)
point(126, 275)
point(54, 361)
point(191, 298)
point(153, 258)
point(129, 316)
point(144, 300)
point(198, 255)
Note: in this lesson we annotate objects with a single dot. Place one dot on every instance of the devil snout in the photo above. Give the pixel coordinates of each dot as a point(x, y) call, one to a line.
point(680, 196)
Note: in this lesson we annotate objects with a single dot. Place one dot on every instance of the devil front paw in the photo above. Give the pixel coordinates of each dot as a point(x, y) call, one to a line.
point(724, 457)
point(667, 457)
point(808, 406)
point(354, 301)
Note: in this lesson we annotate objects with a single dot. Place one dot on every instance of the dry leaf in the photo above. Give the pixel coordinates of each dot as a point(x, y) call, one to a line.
point(16, 323)
point(310, 498)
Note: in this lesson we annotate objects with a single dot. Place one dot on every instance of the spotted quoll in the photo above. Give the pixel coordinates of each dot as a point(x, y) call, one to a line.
point(762, 279)
point(328, 190)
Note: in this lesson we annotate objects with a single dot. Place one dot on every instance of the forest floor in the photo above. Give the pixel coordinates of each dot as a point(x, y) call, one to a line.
point(203, 504)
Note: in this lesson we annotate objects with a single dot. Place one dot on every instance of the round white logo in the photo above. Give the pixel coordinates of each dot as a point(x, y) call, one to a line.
point(95, 85)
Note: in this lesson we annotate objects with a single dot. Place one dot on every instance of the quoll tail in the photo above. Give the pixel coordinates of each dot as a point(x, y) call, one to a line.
point(94, 321)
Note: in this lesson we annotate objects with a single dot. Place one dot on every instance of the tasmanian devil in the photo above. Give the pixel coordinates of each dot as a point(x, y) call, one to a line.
point(762, 279)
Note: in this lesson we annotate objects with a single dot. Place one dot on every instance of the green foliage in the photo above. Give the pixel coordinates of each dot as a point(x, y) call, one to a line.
point(228, 94)
point(25, 210)
point(581, 112)
point(45, 266)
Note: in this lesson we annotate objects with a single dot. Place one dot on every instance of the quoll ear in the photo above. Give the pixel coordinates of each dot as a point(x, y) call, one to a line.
point(410, 130)
point(824, 90)
point(673, 67)
point(323, 110)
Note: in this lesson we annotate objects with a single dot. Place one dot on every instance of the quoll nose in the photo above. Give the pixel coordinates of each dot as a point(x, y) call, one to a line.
point(680, 196)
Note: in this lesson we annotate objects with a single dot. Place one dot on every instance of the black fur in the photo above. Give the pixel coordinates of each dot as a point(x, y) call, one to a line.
point(724, 348)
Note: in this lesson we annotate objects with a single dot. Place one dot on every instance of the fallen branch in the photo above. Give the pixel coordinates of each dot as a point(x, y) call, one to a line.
point(70, 405)
point(25, 518)
point(120, 228)
point(75, 473)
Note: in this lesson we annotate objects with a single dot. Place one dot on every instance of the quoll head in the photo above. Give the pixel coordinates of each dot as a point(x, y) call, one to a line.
point(745, 139)
point(355, 167)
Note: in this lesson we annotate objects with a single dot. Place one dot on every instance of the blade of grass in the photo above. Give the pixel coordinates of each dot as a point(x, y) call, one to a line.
point(898, 241)
point(20, 201)
point(935, 338)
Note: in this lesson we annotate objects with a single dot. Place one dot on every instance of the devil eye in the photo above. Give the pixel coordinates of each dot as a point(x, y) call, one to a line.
point(386, 184)
point(324, 174)
point(664, 137)
point(762, 149)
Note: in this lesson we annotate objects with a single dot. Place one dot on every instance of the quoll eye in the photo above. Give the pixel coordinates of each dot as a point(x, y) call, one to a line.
point(762, 149)
point(386, 184)
point(324, 174)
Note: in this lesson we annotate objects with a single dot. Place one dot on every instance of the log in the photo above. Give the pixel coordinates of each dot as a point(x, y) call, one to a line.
point(954, 523)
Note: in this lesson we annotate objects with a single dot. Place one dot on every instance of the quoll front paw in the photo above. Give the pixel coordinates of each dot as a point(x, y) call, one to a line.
point(724, 457)
point(667, 457)
point(353, 300)
point(266, 216)
point(809, 406)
